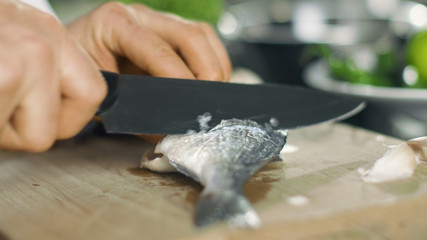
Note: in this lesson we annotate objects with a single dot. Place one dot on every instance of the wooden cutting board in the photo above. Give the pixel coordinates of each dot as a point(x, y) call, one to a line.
point(93, 189)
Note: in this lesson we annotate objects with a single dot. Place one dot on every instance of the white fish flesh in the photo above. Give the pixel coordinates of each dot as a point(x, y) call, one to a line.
point(222, 160)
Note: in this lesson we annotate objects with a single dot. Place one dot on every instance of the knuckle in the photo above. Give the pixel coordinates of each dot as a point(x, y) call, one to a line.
point(10, 78)
point(40, 49)
point(195, 31)
point(114, 14)
point(113, 8)
point(164, 52)
point(194, 34)
point(50, 21)
point(205, 26)
point(162, 49)
point(139, 6)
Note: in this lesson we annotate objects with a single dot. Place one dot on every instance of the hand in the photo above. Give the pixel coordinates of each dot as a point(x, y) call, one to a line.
point(49, 87)
point(160, 44)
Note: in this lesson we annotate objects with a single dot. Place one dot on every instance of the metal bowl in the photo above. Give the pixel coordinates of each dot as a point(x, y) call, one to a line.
point(271, 36)
point(400, 112)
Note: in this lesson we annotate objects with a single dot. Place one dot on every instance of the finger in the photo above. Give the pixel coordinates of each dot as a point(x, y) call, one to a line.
point(126, 37)
point(220, 50)
point(33, 125)
point(187, 38)
point(193, 45)
point(83, 90)
point(151, 53)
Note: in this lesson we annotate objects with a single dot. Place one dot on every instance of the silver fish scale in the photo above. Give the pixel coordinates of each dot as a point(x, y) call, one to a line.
point(223, 159)
point(244, 147)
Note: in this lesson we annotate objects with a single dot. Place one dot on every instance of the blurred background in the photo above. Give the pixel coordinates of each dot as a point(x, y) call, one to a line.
point(375, 50)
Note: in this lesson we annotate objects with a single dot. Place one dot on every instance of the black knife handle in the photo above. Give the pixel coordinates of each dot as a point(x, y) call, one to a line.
point(112, 80)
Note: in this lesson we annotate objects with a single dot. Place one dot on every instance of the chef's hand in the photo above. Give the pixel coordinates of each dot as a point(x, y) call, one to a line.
point(157, 43)
point(49, 87)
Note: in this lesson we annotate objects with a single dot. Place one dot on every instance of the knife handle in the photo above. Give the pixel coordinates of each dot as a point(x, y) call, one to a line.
point(112, 80)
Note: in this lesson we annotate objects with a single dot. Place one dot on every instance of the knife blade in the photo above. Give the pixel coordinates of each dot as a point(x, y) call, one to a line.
point(154, 105)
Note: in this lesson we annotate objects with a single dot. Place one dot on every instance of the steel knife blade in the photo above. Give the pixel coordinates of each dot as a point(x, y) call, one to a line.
point(154, 105)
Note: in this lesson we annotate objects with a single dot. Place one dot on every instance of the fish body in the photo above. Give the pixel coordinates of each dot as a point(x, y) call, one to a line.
point(222, 160)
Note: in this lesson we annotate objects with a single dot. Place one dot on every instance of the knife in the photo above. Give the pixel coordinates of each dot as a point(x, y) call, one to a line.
point(154, 105)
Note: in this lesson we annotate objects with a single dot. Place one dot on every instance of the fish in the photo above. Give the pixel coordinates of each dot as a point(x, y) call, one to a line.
point(222, 159)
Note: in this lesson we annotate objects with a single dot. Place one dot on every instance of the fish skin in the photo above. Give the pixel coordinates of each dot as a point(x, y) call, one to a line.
point(222, 159)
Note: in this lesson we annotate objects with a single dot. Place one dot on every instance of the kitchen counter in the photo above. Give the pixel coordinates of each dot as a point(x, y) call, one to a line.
point(92, 189)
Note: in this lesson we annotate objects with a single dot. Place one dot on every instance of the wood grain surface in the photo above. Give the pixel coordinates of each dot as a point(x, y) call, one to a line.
point(93, 189)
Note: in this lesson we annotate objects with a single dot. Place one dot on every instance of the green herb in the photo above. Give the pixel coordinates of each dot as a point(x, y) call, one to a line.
point(201, 10)
point(344, 68)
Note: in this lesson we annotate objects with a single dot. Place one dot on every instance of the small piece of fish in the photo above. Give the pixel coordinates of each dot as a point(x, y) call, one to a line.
point(222, 160)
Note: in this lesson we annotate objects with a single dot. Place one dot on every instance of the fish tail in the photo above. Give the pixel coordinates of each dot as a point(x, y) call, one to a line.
point(227, 205)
